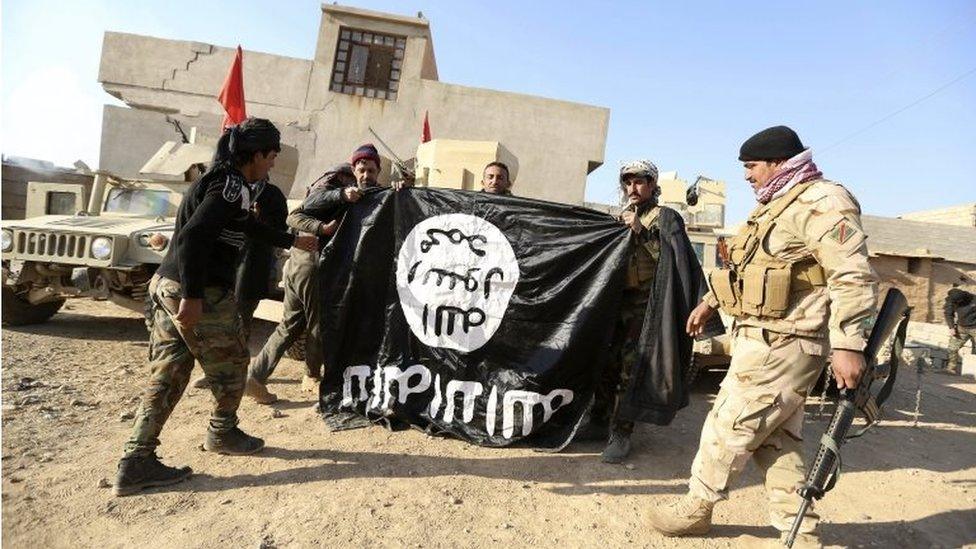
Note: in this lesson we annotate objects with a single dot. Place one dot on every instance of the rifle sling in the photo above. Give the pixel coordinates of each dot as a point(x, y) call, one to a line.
point(832, 446)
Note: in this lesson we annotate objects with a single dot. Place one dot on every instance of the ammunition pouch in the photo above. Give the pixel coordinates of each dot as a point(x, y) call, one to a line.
point(756, 283)
point(764, 290)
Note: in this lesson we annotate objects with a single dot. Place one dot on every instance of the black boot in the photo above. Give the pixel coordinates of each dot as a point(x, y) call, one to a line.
point(618, 449)
point(138, 472)
point(232, 443)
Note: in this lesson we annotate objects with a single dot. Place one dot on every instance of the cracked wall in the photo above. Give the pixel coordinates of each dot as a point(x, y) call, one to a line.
point(557, 142)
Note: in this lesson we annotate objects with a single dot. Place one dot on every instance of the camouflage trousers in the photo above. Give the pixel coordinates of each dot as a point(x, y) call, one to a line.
point(246, 308)
point(217, 342)
point(758, 415)
point(956, 344)
point(300, 316)
point(619, 369)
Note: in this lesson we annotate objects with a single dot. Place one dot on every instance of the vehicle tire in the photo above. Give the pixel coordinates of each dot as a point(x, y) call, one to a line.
point(297, 349)
point(18, 312)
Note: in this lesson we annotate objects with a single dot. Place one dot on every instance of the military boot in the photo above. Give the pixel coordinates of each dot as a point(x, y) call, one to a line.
point(617, 449)
point(690, 515)
point(802, 541)
point(259, 392)
point(232, 443)
point(138, 472)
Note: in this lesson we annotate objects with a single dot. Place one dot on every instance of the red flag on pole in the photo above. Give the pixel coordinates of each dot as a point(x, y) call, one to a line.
point(425, 136)
point(232, 93)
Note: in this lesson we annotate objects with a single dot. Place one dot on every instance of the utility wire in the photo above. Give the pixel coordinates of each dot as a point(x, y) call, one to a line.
point(921, 49)
point(901, 110)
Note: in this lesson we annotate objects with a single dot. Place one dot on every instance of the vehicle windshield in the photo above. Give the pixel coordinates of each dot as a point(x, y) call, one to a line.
point(137, 201)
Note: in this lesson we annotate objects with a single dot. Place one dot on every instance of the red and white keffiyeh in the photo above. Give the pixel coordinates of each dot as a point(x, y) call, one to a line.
point(794, 171)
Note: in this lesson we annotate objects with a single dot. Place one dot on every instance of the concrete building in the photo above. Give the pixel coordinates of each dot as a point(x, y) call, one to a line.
point(370, 70)
point(923, 260)
point(963, 215)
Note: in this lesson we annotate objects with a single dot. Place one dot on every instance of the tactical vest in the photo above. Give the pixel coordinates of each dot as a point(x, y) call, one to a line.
point(756, 283)
point(647, 253)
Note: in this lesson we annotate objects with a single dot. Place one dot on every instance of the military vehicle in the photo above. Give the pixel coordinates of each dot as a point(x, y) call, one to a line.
point(110, 248)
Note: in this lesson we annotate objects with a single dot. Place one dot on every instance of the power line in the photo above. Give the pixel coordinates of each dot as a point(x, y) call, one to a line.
point(901, 110)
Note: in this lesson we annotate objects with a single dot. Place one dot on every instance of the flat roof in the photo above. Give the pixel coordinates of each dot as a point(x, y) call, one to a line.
point(370, 14)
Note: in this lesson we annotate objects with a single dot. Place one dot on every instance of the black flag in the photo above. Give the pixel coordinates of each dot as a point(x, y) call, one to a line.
point(482, 316)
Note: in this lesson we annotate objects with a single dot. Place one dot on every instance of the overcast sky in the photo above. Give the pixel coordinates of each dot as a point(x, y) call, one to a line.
point(883, 91)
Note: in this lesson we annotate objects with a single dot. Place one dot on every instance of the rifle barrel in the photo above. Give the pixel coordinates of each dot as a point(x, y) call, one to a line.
point(791, 537)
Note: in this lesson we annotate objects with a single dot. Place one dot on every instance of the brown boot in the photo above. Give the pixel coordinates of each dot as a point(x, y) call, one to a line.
point(689, 516)
point(257, 390)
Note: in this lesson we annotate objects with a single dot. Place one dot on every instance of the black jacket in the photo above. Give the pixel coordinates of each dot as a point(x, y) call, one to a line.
point(960, 309)
point(212, 226)
point(325, 204)
point(258, 258)
point(658, 387)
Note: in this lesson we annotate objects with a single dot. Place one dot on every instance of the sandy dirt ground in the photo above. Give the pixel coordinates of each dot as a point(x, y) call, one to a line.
point(71, 385)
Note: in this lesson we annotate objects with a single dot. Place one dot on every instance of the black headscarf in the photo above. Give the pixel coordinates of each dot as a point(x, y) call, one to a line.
point(240, 142)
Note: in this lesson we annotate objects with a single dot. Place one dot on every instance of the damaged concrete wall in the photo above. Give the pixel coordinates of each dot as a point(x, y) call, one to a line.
point(131, 136)
point(557, 142)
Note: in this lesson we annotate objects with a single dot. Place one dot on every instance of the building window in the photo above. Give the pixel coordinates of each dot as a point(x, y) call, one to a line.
point(368, 64)
point(699, 248)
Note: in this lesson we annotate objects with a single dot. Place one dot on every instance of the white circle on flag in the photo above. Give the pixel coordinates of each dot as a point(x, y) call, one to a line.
point(455, 276)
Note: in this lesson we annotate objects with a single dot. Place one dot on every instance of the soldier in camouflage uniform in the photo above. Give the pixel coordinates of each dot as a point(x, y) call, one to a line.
point(638, 183)
point(193, 312)
point(960, 317)
point(799, 285)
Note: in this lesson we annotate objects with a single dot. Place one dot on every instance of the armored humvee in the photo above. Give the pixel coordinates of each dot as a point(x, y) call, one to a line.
point(109, 249)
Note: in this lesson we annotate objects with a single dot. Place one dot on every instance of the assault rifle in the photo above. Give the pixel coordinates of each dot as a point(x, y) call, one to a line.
point(400, 165)
point(875, 386)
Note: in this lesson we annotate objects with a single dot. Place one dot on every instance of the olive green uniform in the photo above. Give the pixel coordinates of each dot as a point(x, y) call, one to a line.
point(956, 343)
point(299, 317)
point(217, 341)
point(799, 285)
point(623, 351)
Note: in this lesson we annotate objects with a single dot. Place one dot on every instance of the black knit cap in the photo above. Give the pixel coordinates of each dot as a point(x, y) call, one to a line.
point(776, 143)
